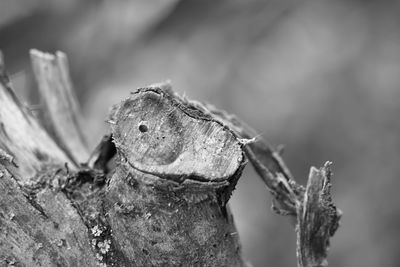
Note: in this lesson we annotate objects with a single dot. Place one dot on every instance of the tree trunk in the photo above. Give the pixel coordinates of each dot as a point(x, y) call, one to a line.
point(153, 193)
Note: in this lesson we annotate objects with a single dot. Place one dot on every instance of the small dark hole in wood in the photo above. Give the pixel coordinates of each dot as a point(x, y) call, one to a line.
point(132, 181)
point(145, 251)
point(143, 128)
point(156, 228)
point(40, 155)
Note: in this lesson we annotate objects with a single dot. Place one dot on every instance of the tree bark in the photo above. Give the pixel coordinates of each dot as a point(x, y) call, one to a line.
point(153, 193)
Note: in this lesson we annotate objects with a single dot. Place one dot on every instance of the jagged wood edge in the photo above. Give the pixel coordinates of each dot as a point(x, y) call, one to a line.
point(317, 219)
point(22, 138)
point(33, 206)
point(60, 111)
point(316, 216)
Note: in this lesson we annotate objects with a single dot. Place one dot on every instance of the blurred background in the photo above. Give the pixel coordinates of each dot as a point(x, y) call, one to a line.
point(320, 77)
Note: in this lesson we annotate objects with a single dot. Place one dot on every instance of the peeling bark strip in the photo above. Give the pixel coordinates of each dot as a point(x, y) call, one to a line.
point(153, 193)
point(316, 217)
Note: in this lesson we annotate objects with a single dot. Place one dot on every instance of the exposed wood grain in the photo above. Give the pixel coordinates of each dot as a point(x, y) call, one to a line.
point(269, 156)
point(158, 134)
point(22, 137)
point(318, 219)
point(315, 216)
point(61, 109)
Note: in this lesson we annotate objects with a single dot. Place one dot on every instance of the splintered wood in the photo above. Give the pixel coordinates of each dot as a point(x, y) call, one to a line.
point(155, 190)
point(22, 137)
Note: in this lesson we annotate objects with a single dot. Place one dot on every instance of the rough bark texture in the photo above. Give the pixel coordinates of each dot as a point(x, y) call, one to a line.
point(153, 193)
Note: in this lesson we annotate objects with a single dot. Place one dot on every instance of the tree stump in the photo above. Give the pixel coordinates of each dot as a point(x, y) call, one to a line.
point(154, 192)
